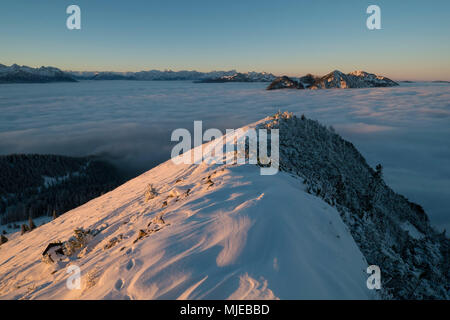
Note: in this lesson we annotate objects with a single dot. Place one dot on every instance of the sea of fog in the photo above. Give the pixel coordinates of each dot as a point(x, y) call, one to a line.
point(406, 128)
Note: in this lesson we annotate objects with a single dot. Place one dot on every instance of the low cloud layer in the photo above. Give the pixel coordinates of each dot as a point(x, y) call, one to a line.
point(405, 128)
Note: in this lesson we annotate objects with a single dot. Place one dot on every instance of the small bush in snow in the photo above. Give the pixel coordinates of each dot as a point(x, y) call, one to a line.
point(24, 229)
point(31, 224)
point(3, 239)
point(78, 241)
point(150, 193)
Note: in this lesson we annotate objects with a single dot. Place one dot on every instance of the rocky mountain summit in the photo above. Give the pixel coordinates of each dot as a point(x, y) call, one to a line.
point(336, 79)
point(355, 79)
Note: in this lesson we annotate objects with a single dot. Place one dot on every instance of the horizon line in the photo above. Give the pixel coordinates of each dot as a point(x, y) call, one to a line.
point(214, 70)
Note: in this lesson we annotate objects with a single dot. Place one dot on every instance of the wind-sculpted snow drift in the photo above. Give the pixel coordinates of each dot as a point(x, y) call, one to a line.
point(225, 231)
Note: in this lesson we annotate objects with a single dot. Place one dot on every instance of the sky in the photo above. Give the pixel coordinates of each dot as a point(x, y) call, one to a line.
point(281, 37)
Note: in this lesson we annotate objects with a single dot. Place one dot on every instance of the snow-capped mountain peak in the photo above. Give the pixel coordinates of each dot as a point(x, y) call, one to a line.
point(355, 79)
point(334, 79)
point(18, 74)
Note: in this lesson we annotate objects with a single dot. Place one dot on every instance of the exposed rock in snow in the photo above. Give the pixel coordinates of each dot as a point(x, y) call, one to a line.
point(20, 74)
point(53, 252)
point(285, 82)
point(3, 239)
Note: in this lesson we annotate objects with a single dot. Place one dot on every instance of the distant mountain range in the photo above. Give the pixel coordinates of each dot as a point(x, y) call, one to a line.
point(168, 75)
point(24, 74)
point(241, 77)
point(334, 79)
point(151, 75)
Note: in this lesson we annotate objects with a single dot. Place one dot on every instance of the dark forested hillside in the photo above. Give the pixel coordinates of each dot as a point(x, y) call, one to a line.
point(392, 232)
point(37, 185)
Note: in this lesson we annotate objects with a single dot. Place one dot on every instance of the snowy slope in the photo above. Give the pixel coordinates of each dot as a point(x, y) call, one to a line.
point(211, 231)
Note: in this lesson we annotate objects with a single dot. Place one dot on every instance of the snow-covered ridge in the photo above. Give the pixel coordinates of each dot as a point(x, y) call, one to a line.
point(335, 79)
point(17, 74)
point(192, 231)
point(225, 231)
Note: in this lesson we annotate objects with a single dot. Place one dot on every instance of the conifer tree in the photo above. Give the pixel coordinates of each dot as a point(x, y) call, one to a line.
point(31, 224)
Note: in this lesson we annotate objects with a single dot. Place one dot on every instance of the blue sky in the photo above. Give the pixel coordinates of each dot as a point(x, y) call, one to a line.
point(282, 37)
